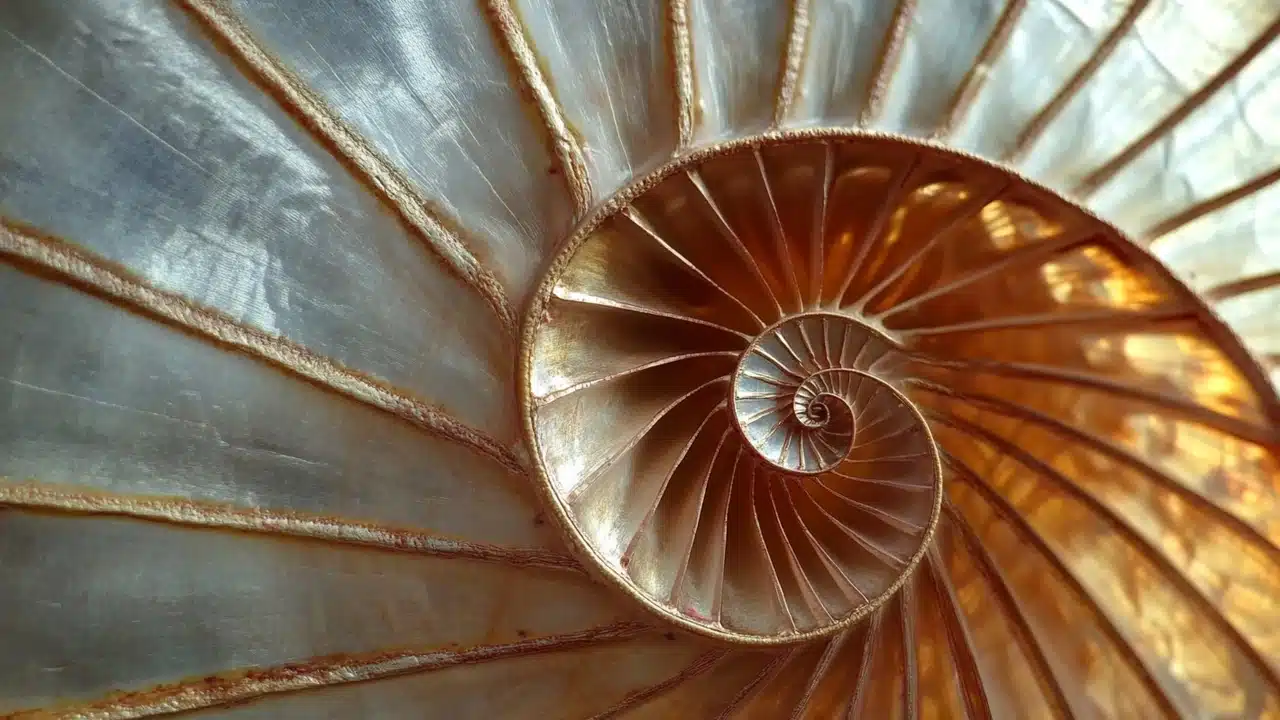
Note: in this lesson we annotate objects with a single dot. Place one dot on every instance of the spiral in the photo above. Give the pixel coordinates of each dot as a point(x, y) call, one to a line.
point(805, 399)
point(759, 382)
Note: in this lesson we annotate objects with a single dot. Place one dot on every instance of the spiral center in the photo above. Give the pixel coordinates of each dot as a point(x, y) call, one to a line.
point(744, 466)
point(801, 386)
point(818, 413)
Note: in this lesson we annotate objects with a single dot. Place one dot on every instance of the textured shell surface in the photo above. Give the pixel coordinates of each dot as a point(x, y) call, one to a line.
point(640, 358)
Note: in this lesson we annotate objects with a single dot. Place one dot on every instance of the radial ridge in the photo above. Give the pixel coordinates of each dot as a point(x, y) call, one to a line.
point(742, 376)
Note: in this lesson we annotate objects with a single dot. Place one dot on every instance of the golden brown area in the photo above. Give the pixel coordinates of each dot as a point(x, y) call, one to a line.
point(1101, 453)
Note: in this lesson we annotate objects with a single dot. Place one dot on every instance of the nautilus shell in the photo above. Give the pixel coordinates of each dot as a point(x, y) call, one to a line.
point(670, 359)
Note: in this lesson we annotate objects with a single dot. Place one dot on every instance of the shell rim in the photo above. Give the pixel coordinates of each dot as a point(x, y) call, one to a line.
point(1226, 339)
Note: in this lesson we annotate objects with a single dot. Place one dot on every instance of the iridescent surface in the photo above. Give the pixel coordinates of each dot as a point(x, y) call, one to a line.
point(685, 337)
point(262, 266)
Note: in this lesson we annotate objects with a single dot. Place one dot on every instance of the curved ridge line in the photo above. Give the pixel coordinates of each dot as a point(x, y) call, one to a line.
point(833, 568)
point(808, 593)
point(507, 25)
point(969, 209)
point(1038, 251)
point(1243, 286)
point(873, 239)
point(886, 62)
point(616, 375)
point(817, 239)
point(885, 557)
point(1021, 629)
point(98, 277)
point(651, 511)
point(1042, 119)
point(964, 653)
point(1101, 176)
point(819, 673)
point(1109, 318)
point(686, 554)
point(720, 547)
point(1237, 427)
point(1151, 549)
point(902, 525)
point(227, 516)
point(763, 546)
point(1208, 206)
point(636, 218)
point(251, 684)
point(699, 666)
point(624, 305)
point(808, 344)
point(749, 691)
point(976, 78)
point(866, 666)
point(792, 60)
point(1006, 513)
point(601, 468)
point(908, 615)
point(681, 47)
point(1116, 453)
point(759, 351)
point(776, 231)
point(727, 232)
point(377, 173)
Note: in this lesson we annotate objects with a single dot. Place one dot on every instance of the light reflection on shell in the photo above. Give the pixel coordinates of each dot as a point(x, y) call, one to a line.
point(893, 431)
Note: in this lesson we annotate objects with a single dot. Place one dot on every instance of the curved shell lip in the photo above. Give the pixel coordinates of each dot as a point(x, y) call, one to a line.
point(1246, 360)
point(599, 567)
point(1223, 336)
point(935, 509)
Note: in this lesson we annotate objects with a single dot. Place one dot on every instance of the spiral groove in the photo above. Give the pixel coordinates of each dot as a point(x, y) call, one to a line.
point(806, 399)
point(750, 379)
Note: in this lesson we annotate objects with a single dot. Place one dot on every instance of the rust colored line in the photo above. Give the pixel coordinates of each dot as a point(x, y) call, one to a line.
point(886, 62)
point(756, 684)
point(379, 175)
point(251, 684)
point(910, 650)
point(964, 653)
point(1005, 511)
point(700, 666)
point(820, 673)
point(1243, 286)
point(1244, 429)
point(1144, 545)
point(68, 265)
point(226, 516)
point(976, 78)
point(1210, 205)
point(1109, 448)
point(1035, 129)
point(681, 42)
point(512, 37)
point(792, 60)
point(1104, 174)
point(1097, 320)
point(866, 666)
point(1024, 634)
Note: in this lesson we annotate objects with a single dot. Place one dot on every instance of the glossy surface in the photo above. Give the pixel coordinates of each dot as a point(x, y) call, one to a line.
point(713, 351)
point(760, 488)
point(262, 272)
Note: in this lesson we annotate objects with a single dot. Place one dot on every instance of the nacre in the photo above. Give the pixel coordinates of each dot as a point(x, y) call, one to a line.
point(545, 358)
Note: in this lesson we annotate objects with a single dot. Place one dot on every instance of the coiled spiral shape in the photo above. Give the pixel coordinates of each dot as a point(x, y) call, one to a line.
point(806, 406)
point(767, 383)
